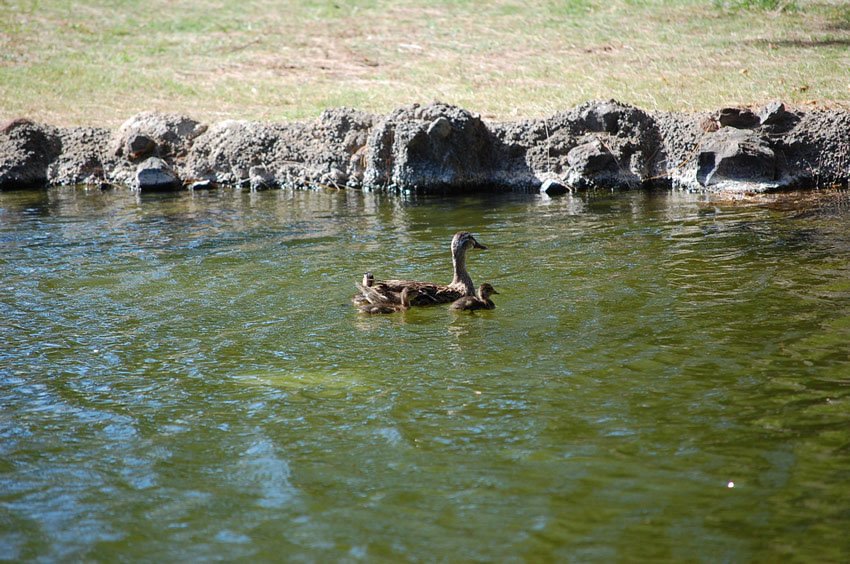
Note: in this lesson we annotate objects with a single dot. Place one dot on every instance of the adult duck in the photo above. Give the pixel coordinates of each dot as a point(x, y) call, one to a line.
point(481, 301)
point(428, 293)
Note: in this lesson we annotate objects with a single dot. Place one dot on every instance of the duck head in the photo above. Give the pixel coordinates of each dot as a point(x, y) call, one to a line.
point(463, 241)
point(485, 291)
point(408, 294)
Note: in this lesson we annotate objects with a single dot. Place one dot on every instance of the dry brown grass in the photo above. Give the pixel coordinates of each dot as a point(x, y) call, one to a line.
point(100, 63)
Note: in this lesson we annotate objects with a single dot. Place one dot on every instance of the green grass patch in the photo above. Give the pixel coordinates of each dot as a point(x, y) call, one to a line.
point(102, 61)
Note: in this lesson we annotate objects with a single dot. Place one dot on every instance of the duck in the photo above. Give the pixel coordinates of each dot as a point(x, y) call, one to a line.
point(361, 298)
point(481, 301)
point(388, 307)
point(428, 293)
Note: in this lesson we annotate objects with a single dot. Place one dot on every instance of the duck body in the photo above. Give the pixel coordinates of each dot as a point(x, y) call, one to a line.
point(480, 301)
point(390, 307)
point(427, 293)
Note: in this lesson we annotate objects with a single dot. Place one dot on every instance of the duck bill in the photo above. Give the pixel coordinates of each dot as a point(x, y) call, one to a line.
point(477, 245)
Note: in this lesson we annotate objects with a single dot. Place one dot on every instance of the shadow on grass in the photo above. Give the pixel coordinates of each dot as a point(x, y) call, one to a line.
point(802, 43)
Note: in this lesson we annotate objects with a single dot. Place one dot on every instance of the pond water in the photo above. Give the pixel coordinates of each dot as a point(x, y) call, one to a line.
point(183, 377)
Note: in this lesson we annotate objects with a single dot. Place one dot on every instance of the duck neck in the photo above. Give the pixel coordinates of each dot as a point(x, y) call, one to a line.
point(461, 278)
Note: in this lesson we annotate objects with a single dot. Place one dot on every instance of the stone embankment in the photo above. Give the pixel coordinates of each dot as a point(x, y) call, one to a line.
point(439, 148)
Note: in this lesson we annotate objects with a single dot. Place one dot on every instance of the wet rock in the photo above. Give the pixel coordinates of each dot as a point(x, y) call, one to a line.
point(260, 179)
point(154, 174)
point(201, 185)
point(552, 187)
point(335, 178)
point(737, 159)
point(26, 151)
point(739, 118)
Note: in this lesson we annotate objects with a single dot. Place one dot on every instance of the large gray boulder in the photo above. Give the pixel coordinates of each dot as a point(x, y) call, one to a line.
point(429, 148)
point(600, 144)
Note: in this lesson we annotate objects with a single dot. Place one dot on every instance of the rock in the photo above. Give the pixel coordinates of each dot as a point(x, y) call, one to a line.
point(771, 112)
point(739, 118)
point(154, 174)
point(601, 116)
point(260, 179)
point(440, 128)
point(140, 146)
point(441, 148)
point(26, 151)
point(552, 187)
point(709, 124)
point(8, 125)
point(631, 157)
point(402, 154)
point(205, 184)
point(593, 165)
point(344, 133)
point(776, 118)
point(84, 158)
point(172, 135)
point(732, 156)
point(591, 159)
point(293, 154)
point(335, 178)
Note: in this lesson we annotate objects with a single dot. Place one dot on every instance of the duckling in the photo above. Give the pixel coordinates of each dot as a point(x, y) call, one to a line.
point(428, 292)
point(407, 294)
point(362, 296)
point(481, 301)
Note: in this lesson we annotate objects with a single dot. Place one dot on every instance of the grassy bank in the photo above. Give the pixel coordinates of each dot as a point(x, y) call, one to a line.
point(101, 61)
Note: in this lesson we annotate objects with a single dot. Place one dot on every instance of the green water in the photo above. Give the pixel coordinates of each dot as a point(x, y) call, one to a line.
point(182, 377)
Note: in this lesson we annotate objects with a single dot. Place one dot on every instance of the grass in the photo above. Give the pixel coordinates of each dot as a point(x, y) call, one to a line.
point(97, 63)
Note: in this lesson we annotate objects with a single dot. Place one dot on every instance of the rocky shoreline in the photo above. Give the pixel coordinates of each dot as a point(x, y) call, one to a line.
point(438, 148)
